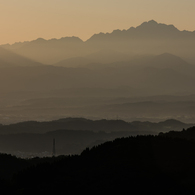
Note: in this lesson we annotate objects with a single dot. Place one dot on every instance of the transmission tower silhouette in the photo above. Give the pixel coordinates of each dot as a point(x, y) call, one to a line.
point(54, 148)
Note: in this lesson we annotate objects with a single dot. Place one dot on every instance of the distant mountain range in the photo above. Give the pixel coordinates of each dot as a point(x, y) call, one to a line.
point(38, 78)
point(149, 37)
point(147, 30)
point(49, 51)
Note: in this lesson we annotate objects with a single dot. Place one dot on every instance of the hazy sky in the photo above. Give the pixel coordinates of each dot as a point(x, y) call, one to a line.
point(23, 20)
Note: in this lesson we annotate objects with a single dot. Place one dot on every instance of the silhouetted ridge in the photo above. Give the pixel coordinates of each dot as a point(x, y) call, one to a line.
point(149, 37)
point(170, 58)
point(92, 125)
point(171, 122)
point(167, 60)
point(72, 119)
point(147, 30)
point(153, 25)
point(39, 41)
point(54, 42)
point(73, 38)
point(184, 134)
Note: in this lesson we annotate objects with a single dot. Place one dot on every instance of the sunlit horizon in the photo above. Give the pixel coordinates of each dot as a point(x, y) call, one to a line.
point(85, 38)
point(28, 20)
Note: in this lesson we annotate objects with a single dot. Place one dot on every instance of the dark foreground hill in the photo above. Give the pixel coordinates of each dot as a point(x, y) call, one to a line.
point(185, 133)
point(134, 165)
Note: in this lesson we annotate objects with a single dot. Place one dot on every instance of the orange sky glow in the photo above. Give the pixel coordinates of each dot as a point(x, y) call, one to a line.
point(25, 20)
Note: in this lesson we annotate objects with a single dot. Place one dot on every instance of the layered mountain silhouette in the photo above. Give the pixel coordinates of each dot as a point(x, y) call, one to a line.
point(166, 61)
point(74, 134)
point(49, 51)
point(82, 124)
point(148, 60)
point(149, 74)
point(142, 74)
point(147, 30)
point(149, 37)
point(10, 59)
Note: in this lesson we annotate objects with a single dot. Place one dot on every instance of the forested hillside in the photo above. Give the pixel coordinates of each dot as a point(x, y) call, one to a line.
point(138, 165)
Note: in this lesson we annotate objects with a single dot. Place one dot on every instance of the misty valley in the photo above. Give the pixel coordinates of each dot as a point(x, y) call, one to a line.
point(105, 115)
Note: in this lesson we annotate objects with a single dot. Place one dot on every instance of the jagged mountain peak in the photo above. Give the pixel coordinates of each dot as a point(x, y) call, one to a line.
point(149, 30)
point(152, 25)
point(150, 22)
